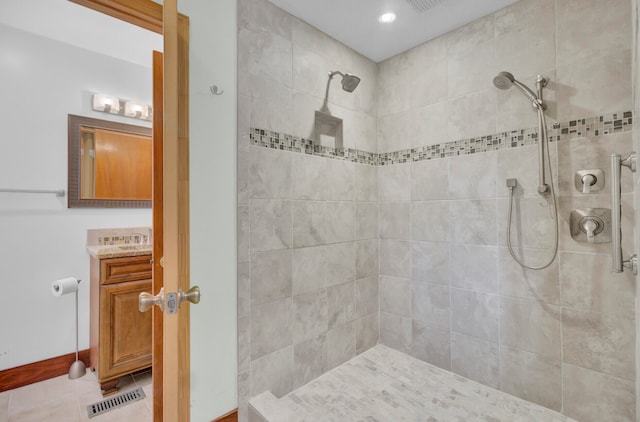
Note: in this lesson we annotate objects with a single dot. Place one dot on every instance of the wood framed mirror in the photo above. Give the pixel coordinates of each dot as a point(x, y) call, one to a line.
point(109, 164)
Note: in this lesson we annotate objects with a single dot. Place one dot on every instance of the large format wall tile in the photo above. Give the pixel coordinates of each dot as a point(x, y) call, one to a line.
point(341, 304)
point(516, 281)
point(431, 303)
point(395, 296)
point(271, 276)
point(532, 223)
point(308, 271)
point(429, 221)
point(474, 268)
point(588, 284)
point(395, 258)
point(429, 180)
point(309, 223)
point(309, 360)
point(366, 220)
point(592, 85)
point(367, 332)
point(430, 262)
point(310, 315)
point(467, 351)
point(392, 183)
point(604, 343)
point(341, 345)
point(525, 38)
point(531, 377)
point(531, 326)
point(273, 372)
point(271, 224)
point(340, 224)
point(394, 220)
point(366, 258)
point(475, 221)
point(340, 263)
point(591, 396)
point(475, 314)
point(473, 176)
point(271, 328)
point(431, 344)
point(582, 25)
point(395, 331)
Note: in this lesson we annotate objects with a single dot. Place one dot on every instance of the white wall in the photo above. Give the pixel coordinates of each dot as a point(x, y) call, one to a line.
point(42, 81)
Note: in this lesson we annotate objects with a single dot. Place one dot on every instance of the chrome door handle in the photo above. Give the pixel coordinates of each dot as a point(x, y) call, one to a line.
point(192, 295)
point(147, 300)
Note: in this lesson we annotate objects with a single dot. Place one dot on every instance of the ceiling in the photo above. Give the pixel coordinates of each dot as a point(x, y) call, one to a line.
point(355, 22)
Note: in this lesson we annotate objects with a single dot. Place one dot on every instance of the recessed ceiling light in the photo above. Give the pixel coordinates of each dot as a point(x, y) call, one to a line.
point(387, 17)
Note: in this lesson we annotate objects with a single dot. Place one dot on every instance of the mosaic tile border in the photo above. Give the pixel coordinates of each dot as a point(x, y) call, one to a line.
point(593, 126)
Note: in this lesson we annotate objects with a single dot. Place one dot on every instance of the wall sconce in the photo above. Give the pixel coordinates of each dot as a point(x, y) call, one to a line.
point(114, 105)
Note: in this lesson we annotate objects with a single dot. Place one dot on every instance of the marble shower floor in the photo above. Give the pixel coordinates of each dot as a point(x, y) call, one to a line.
point(386, 385)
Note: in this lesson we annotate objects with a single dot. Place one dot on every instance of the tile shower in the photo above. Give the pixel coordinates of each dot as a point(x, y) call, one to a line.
point(399, 236)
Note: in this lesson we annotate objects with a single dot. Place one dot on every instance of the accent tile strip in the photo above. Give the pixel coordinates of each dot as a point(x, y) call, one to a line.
point(592, 126)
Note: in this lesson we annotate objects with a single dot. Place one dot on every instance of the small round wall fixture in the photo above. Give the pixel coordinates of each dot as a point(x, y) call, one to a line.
point(387, 17)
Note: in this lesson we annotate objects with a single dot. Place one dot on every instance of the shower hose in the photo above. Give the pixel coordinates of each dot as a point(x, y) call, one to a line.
point(542, 126)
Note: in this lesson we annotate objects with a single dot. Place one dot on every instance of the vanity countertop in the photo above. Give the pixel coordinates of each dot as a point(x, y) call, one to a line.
point(117, 251)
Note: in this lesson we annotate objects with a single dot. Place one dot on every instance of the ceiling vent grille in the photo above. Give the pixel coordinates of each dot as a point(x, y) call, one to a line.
point(421, 6)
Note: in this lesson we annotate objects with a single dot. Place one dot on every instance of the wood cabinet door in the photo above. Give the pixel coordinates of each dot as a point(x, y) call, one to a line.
point(125, 333)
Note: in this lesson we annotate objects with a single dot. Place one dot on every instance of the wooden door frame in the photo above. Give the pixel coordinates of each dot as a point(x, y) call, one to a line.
point(149, 15)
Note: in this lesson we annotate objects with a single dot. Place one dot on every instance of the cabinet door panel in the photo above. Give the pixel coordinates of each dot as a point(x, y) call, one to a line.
point(127, 334)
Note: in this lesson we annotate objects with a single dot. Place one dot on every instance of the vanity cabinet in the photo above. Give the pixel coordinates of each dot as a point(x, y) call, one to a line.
point(120, 335)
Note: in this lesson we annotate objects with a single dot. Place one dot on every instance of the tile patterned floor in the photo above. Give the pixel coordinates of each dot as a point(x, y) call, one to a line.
point(63, 400)
point(385, 385)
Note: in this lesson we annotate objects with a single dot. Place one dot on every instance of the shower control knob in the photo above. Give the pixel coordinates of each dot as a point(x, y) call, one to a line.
point(589, 181)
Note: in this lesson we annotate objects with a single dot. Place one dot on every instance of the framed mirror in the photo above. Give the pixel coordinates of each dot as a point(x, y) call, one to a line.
point(110, 164)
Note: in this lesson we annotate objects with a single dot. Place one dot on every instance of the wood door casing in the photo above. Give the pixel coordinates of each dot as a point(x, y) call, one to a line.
point(150, 15)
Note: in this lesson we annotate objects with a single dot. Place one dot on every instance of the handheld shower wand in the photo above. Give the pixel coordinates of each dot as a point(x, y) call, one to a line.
point(504, 81)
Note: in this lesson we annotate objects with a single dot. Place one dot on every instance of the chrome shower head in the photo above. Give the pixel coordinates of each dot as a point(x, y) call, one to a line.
point(349, 81)
point(505, 80)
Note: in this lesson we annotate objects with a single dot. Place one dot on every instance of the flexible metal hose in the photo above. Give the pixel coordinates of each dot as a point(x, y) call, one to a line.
point(542, 126)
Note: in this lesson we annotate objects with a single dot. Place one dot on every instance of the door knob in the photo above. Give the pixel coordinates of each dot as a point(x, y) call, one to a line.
point(192, 295)
point(147, 300)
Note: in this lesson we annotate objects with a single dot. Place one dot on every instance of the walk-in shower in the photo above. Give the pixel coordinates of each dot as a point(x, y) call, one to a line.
point(504, 81)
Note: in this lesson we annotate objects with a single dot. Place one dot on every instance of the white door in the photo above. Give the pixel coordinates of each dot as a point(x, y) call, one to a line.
point(202, 351)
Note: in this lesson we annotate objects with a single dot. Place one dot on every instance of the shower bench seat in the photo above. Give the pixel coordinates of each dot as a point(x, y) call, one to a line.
point(385, 385)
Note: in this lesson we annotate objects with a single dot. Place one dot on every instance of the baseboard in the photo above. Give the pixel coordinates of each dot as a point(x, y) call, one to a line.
point(39, 371)
point(229, 417)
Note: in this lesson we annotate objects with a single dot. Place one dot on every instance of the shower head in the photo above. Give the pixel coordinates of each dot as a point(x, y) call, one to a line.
point(505, 80)
point(349, 81)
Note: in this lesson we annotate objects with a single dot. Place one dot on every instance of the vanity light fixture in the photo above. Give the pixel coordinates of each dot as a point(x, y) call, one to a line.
point(128, 108)
point(136, 110)
point(106, 103)
point(387, 17)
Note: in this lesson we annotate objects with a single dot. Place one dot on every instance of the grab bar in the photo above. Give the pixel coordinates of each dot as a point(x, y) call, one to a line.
point(617, 261)
point(60, 192)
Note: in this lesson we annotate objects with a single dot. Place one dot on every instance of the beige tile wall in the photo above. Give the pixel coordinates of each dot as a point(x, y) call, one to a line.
point(307, 226)
point(563, 337)
point(334, 256)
